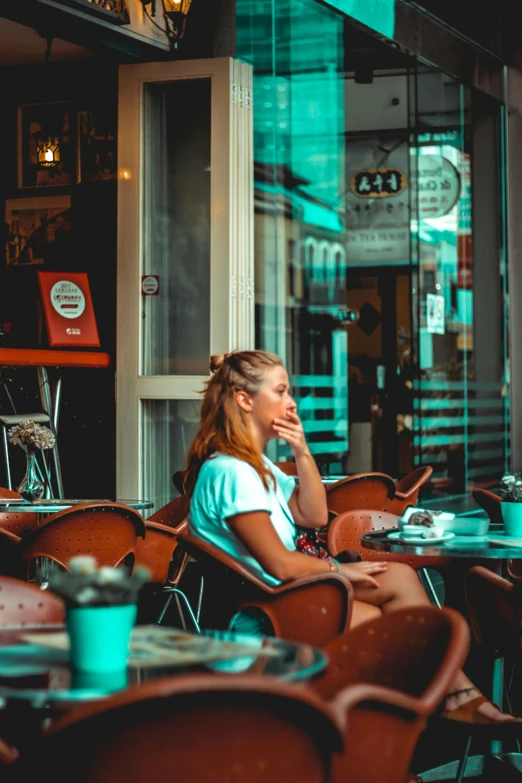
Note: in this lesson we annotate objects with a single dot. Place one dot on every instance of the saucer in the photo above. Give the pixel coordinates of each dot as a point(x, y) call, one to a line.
point(420, 539)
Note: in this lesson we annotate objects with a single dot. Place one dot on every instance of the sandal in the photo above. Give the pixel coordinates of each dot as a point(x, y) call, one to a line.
point(468, 712)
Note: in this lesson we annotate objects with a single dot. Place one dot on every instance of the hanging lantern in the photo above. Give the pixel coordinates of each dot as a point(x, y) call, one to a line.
point(48, 151)
point(176, 12)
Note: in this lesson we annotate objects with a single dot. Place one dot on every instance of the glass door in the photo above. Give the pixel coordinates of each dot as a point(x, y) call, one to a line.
point(185, 260)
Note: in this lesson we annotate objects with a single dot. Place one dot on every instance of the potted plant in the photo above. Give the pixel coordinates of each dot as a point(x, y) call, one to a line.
point(510, 492)
point(101, 609)
point(31, 436)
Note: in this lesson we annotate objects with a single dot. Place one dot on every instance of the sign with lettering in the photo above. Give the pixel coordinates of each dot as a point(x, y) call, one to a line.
point(150, 285)
point(438, 183)
point(378, 183)
point(435, 314)
point(111, 10)
point(68, 309)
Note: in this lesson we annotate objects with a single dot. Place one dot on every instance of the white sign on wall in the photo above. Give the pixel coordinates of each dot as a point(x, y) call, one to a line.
point(435, 313)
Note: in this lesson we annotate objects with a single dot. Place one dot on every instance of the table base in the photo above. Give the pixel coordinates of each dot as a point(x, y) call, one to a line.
point(505, 767)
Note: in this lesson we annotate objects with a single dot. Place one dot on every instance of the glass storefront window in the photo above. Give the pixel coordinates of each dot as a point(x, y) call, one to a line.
point(378, 242)
point(176, 228)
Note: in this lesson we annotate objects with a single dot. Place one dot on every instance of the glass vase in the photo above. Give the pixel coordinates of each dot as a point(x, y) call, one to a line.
point(31, 487)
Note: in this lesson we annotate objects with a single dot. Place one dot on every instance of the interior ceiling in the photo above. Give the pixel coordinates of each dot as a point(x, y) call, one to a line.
point(21, 45)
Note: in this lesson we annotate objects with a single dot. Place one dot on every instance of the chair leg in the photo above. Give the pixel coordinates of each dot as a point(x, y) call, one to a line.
point(464, 760)
point(5, 444)
point(428, 586)
point(200, 597)
point(181, 594)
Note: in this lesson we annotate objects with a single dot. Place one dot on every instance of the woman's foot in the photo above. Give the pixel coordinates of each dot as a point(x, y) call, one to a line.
point(468, 704)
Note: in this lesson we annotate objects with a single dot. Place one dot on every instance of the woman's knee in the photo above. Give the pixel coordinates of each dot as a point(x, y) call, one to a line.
point(402, 572)
point(363, 613)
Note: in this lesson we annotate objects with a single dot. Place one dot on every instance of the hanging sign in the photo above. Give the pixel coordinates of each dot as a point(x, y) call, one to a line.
point(68, 309)
point(378, 183)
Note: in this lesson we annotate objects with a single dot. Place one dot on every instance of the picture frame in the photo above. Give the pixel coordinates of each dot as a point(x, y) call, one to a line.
point(97, 146)
point(38, 230)
point(42, 121)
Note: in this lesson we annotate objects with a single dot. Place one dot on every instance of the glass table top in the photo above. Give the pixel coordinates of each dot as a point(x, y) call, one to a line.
point(496, 545)
point(40, 674)
point(51, 505)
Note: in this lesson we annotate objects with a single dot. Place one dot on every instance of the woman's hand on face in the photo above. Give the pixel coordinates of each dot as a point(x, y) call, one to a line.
point(291, 431)
point(361, 573)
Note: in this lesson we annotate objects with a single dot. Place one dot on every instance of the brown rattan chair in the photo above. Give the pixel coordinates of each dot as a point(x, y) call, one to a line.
point(10, 554)
point(385, 679)
point(363, 490)
point(25, 604)
point(345, 531)
point(108, 531)
point(159, 553)
point(14, 522)
point(490, 502)
point(312, 609)
point(407, 490)
point(289, 467)
point(244, 729)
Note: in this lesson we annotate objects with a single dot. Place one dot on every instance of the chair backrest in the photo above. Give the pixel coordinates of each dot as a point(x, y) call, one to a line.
point(494, 609)
point(363, 490)
point(244, 729)
point(157, 552)
point(107, 531)
point(15, 523)
point(25, 604)
point(345, 531)
point(386, 678)
point(490, 503)
point(173, 514)
point(407, 490)
point(312, 609)
point(411, 483)
point(289, 467)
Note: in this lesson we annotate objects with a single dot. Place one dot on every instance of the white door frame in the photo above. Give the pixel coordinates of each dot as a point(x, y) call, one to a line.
point(231, 241)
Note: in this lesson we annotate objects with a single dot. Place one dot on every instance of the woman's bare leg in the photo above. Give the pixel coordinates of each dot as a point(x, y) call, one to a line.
point(363, 613)
point(400, 588)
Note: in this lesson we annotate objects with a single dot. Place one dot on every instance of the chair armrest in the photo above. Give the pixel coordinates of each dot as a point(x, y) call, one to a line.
point(168, 531)
point(6, 535)
point(355, 695)
point(313, 579)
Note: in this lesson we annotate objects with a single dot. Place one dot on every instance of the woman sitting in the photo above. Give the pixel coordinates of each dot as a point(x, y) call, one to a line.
point(242, 503)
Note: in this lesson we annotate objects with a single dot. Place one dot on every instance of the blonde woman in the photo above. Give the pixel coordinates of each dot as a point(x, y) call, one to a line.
point(242, 503)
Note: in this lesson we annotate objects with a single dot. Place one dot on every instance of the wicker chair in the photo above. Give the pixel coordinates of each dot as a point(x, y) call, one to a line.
point(363, 490)
point(407, 490)
point(108, 531)
point(312, 609)
point(385, 679)
point(245, 729)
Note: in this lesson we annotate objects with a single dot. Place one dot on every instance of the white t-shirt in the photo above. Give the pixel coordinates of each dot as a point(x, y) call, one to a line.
point(227, 486)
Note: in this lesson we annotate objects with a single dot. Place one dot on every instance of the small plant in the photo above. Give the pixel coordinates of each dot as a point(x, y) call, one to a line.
point(31, 436)
point(511, 488)
point(86, 585)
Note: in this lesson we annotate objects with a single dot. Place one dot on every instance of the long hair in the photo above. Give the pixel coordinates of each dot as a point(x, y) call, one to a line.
point(224, 426)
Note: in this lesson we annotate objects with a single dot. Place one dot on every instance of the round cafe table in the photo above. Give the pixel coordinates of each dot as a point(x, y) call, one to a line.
point(491, 550)
point(41, 676)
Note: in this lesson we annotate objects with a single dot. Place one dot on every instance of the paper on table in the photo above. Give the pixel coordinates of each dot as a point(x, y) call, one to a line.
point(154, 646)
point(514, 542)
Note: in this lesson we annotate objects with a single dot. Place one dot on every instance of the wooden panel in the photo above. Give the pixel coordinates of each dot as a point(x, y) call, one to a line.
point(27, 357)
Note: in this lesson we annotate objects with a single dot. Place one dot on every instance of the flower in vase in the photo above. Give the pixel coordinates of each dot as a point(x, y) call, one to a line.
point(31, 436)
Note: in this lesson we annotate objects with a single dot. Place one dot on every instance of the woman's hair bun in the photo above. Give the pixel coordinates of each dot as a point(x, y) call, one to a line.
point(217, 361)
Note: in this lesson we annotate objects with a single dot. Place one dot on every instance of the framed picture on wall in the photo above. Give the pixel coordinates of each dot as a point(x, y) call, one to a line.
point(38, 230)
point(97, 145)
point(46, 145)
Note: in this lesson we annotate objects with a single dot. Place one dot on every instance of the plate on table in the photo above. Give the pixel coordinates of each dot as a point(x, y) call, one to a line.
point(398, 536)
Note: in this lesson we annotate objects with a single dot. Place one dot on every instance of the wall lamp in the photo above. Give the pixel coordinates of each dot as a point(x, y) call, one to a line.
point(175, 13)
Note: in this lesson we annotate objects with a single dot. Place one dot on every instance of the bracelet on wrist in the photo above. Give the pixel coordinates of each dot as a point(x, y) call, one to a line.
point(334, 565)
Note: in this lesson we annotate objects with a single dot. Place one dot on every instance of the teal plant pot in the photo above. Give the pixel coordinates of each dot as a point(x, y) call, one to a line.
point(512, 518)
point(99, 637)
